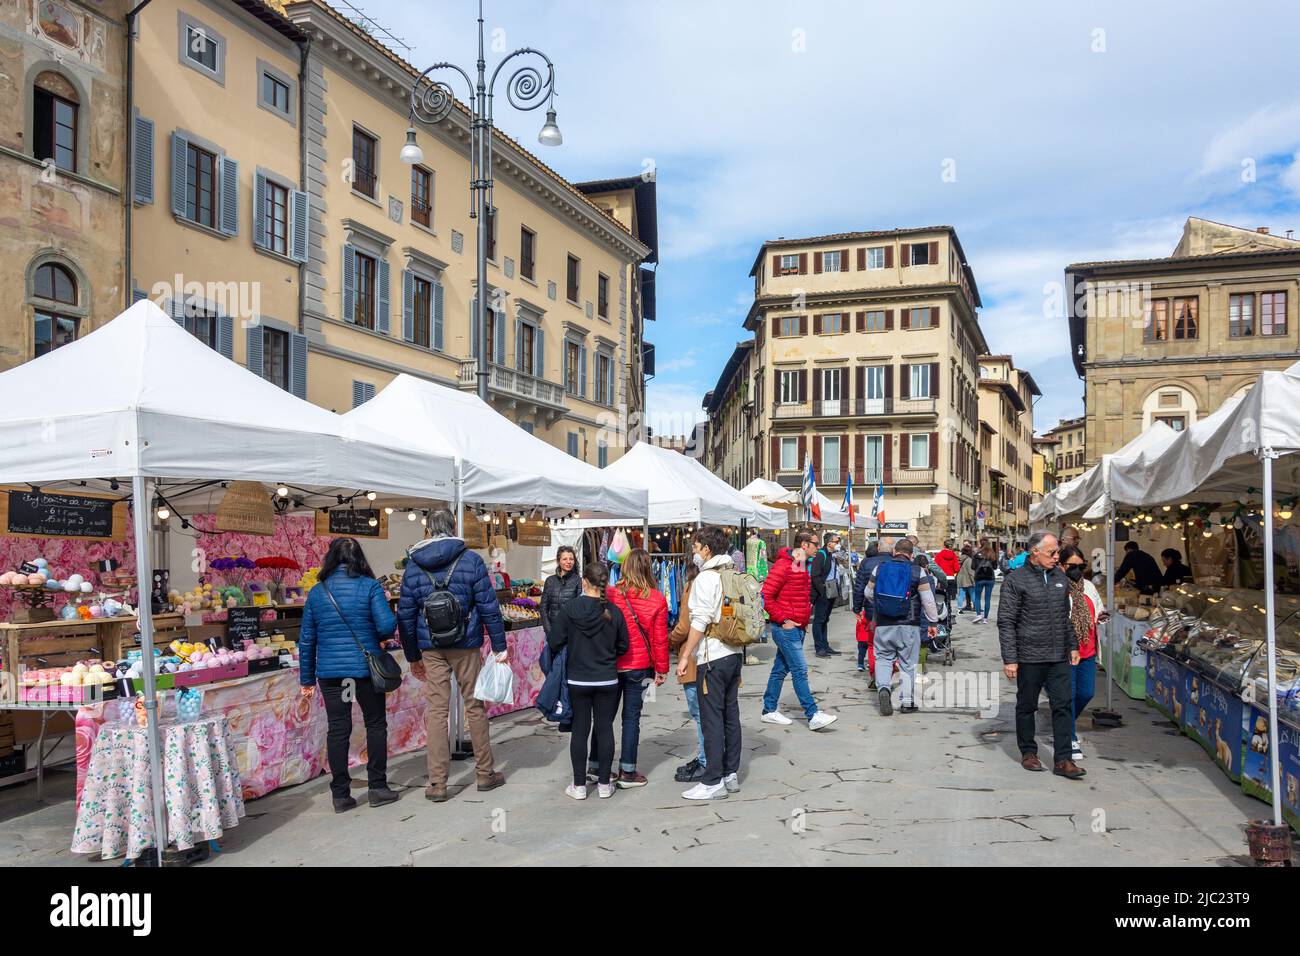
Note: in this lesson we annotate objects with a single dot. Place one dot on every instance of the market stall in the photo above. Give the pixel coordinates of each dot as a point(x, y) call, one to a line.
point(141, 399)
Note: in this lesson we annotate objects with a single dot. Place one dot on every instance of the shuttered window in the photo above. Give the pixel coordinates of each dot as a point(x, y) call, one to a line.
point(200, 186)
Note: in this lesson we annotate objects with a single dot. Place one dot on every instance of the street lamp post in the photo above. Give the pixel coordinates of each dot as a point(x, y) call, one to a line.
point(432, 101)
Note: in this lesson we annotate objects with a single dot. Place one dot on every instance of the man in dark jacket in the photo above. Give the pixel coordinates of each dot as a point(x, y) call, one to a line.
point(1146, 573)
point(445, 558)
point(1039, 647)
point(820, 569)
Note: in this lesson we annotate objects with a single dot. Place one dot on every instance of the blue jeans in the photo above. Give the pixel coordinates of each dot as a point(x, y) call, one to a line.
point(821, 616)
point(789, 660)
point(983, 591)
point(693, 706)
point(1083, 687)
point(632, 685)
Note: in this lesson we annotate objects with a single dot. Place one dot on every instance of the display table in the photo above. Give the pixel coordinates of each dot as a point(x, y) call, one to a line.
point(1203, 709)
point(1126, 662)
point(278, 736)
point(1255, 776)
point(203, 798)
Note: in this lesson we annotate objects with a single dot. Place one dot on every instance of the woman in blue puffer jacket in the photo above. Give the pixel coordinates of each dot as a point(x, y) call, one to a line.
point(328, 654)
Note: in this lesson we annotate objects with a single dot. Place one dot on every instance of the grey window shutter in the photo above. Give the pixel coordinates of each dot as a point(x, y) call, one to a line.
point(229, 196)
point(358, 394)
point(384, 281)
point(500, 349)
point(473, 329)
point(177, 309)
point(582, 371)
point(298, 364)
point(300, 206)
point(539, 347)
point(180, 146)
point(437, 316)
point(261, 239)
point(519, 346)
point(408, 306)
point(349, 282)
point(255, 363)
point(143, 159)
point(226, 336)
point(564, 364)
point(137, 295)
point(610, 381)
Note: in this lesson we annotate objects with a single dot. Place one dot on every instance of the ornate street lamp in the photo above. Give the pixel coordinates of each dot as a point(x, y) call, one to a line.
point(432, 101)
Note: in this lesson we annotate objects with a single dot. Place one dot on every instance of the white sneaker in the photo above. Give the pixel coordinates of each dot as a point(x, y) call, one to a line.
point(604, 790)
point(1076, 751)
point(732, 783)
point(822, 719)
point(702, 791)
point(776, 717)
point(578, 793)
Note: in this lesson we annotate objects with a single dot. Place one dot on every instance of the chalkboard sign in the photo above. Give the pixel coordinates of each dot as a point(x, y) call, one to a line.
point(243, 626)
point(47, 514)
point(352, 523)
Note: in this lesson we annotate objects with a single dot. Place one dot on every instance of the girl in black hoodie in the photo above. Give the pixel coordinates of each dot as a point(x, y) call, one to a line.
point(596, 636)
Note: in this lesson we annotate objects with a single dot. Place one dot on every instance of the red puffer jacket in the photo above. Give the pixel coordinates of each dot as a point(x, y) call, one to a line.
point(652, 615)
point(787, 592)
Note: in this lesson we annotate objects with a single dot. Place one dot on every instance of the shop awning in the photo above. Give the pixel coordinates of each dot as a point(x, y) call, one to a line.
point(1093, 492)
point(140, 396)
point(502, 465)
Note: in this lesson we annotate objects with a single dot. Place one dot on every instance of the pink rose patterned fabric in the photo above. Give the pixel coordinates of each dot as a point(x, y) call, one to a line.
point(278, 737)
point(200, 780)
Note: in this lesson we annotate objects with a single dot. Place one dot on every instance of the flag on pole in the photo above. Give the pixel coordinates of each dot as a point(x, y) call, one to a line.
point(809, 492)
point(878, 505)
point(848, 498)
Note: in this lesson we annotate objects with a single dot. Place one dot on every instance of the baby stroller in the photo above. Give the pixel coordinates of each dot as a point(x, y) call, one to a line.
point(939, 648)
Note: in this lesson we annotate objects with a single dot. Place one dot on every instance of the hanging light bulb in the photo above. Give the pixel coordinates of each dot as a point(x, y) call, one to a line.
point(1165, 508)
point(164, 513)
point(282, 491)
point(410, 516)
point(1207, 533)
point(1183, 506)
point(373, 522)
point(425, 522)
point(1285, 514)
point(371, 496)
point(388, 511)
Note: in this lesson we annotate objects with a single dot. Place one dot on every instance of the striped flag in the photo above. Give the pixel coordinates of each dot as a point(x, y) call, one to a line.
point(848, 498)
point(809, 492)
point(878, 504)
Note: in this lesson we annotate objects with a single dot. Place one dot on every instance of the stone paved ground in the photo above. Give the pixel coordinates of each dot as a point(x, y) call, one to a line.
point(936, 787)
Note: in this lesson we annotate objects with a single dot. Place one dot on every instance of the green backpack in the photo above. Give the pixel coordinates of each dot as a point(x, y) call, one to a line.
point(744, 623)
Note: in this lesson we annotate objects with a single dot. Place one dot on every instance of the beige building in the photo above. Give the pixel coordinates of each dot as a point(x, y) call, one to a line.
point(1170, 339)
point(1045, 477)
point(62, 102)
point(732, 448)
point(1006, 408)
point(1070, 452)
point(864, 361)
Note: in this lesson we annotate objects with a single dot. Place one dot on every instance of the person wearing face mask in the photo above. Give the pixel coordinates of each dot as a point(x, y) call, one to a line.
point(1086, 612)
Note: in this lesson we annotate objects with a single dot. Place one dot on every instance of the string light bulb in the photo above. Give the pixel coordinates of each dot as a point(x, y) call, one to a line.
point(373, 522)
point(282, 491)
point(371, 496)
point(410, 516)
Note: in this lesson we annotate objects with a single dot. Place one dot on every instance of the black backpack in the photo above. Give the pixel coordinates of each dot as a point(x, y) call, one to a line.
point(442, 611)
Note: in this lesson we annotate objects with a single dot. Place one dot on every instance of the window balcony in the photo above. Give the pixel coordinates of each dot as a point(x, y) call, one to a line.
point(891, 477)
point(513, 387)
point(857, 408)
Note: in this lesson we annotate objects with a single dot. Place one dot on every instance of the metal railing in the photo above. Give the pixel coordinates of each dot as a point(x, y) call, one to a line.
point(896, 477)
point(420, 211)
point(856, 408)
point(363, 181)
point(515, 384)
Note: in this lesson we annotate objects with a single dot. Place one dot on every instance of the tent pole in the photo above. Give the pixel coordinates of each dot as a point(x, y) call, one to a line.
point(1110, 603)
point(141, 501)
point(455, 710)
point(1269, 625)
point(458, 502)
point(645, 533)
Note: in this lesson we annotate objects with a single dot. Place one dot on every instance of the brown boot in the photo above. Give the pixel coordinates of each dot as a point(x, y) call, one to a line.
point(437, 792)
point(1068, 769)
point(1031, 762)
point(492, 782)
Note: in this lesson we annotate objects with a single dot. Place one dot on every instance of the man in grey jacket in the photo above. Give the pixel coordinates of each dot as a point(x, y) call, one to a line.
point(1039, 647)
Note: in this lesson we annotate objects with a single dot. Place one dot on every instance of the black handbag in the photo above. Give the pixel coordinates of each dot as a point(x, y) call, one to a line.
point(385, 673)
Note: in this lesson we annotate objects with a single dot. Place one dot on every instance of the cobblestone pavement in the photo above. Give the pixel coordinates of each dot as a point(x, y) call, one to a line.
point(941, 786)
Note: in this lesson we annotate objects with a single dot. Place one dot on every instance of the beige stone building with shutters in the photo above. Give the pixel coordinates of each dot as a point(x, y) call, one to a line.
point(1069, 452)
point(1006, 412)
point(864, 362)
point(1170, 339)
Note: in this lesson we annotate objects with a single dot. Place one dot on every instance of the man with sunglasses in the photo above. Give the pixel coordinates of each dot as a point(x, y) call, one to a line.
point(1039, 648)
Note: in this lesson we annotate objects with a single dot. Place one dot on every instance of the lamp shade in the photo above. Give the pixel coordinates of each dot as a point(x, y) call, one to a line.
point(246, 508)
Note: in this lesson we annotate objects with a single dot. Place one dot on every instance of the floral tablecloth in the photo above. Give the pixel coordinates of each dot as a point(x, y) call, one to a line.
point(278, 737)
point(203, 794)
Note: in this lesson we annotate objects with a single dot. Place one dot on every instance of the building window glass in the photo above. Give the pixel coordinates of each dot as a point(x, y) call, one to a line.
point(1272, 313)
point(1241, 315)
point(55, 129)
point(789, 265)
point(422, 196)
point(1156, 327)
point(275, 357)
point(422, 310)
point(788, 388)
point(876, 257)
point(202, 324)
point(571, 280)
point(277, 217)
point(920, 381)
point(573, 444)
point(275, 92)
point(527, 348)
point(875, 321)
point(363, 163)
point(602, 454)
point(789, 326)
point(363, 308)
point(527, 253)
point(602, 296)
point(1186, 312)
point(789, 454)
point(831, 461)
point(572, 356)
point(920, 448)
point(833, 324)
point(920, 253)
point(831, 262)
point(201, 48)
point(1176, 422)
point(919, 319)
point(200, 183)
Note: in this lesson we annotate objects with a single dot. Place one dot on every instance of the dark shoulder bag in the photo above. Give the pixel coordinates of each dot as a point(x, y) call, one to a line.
point(385, 674)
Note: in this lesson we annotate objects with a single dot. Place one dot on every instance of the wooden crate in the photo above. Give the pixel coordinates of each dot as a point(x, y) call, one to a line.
point(62, 643)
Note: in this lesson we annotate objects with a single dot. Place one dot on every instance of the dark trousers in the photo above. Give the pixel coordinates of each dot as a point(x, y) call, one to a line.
point(1031, 680)
point(631, 695)
point(719, 696)
point(821, 615)
point(338, 693)
point(593, 725)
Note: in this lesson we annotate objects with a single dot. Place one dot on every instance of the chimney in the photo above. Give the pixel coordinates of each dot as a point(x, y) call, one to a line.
point(1262, 230)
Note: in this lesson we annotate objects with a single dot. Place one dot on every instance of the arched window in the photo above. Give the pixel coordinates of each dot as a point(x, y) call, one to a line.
point(1171, 404)
point(55, 106)
point(55, 297)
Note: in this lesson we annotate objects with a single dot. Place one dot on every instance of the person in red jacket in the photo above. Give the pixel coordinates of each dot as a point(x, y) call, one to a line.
point(788, 603)
point(947, 559)
point(646, 612)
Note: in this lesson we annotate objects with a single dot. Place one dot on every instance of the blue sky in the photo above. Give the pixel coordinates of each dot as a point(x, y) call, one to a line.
point(1076, 133)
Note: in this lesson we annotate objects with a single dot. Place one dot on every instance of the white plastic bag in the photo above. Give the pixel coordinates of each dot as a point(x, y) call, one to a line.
point(496, 682)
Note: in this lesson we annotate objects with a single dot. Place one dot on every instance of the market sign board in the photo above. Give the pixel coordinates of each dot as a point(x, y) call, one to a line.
point(1165, 685)
point(1256, 778)
point(352, 523)
point(46, 514)
point(1212, 717)
point(535, 533)
point(896, 526)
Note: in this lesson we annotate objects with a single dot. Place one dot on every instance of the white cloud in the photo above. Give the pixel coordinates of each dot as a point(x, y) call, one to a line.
point(675, 407)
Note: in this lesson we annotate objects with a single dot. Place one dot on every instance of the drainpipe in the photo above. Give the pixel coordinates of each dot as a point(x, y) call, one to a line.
point(128, 191)
point(304, 52)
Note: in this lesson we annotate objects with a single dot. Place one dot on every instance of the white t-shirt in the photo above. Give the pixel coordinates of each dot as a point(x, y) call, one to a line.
point(706, 608)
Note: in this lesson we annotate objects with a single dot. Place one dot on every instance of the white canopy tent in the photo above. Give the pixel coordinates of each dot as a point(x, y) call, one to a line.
point(768, 492)
point(1091, 493)
point(142, 399)
point(500, 463)
point(681, 491)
